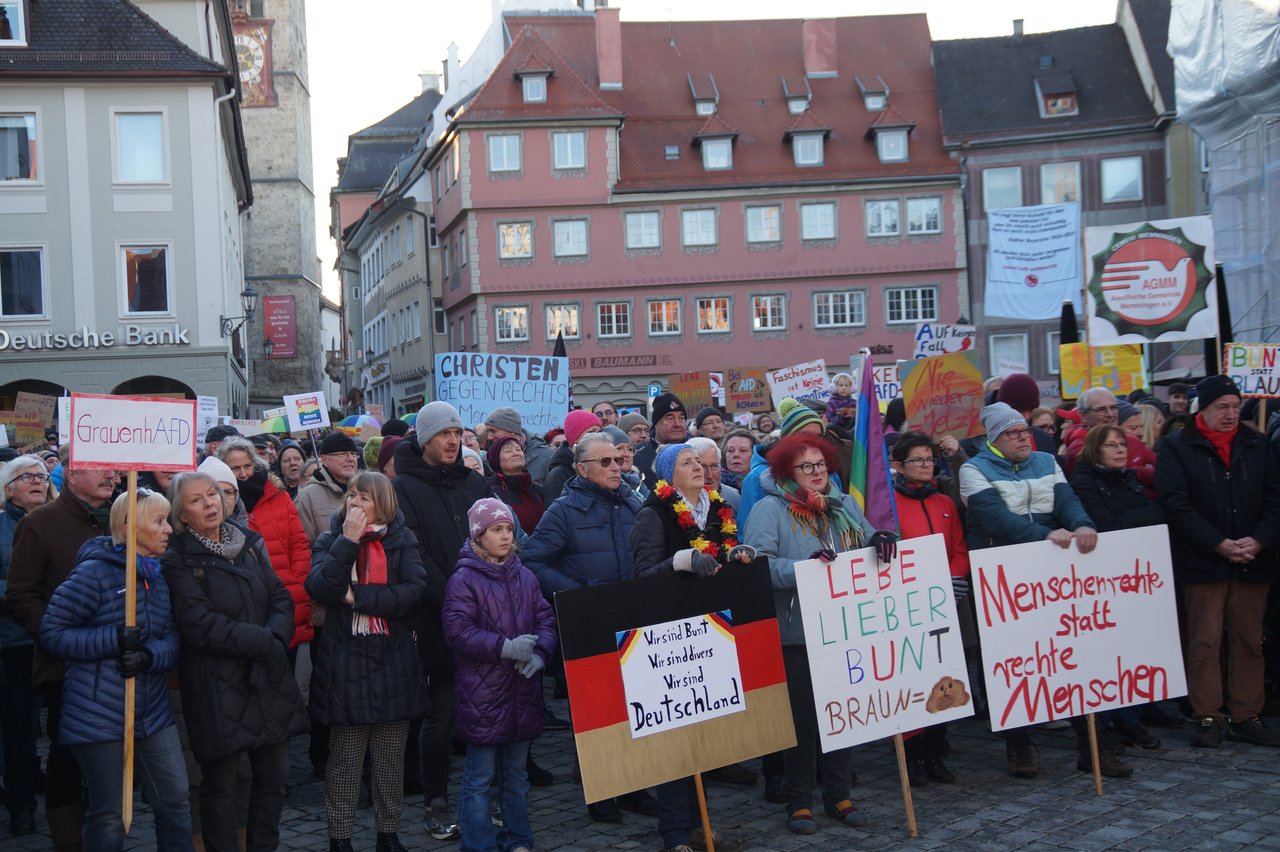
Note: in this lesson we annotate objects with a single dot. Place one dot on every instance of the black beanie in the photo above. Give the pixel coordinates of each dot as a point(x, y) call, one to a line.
point(338, 442)
point(1207, 390)
point(665, 404)
point(395, 427)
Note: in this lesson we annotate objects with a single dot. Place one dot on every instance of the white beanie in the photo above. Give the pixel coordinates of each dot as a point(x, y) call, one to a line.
point(218, 469)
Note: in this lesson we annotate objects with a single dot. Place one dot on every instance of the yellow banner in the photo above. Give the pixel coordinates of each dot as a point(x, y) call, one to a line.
point(1120, 368)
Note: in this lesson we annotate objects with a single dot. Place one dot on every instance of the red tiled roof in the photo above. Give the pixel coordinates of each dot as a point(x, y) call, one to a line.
point(749, 60)
point(714, 126)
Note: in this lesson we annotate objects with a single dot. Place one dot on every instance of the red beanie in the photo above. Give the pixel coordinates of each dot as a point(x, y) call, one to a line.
point(1020, 392)
point(578, 422)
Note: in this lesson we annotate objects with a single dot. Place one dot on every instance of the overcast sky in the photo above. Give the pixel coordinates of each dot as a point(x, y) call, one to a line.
point(365, 65)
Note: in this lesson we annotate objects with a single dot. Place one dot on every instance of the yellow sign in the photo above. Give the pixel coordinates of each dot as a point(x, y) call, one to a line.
point(1120, 368)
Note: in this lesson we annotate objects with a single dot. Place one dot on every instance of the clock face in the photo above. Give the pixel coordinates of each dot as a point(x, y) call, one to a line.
point(250, 56)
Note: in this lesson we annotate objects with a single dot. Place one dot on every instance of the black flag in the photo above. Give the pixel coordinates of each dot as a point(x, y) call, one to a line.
point(1068, 331)
point(560, 352)
point(1212, 346)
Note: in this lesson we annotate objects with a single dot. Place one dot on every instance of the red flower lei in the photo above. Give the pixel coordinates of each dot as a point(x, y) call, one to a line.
point(719, 536)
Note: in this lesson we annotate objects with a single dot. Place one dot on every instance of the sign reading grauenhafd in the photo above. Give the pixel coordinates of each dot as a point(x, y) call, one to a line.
point(680, 672)
point(133, 432)
point(1065, 633)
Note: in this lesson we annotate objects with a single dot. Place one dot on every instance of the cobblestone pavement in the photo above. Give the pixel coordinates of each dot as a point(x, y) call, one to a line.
point(1177, 798)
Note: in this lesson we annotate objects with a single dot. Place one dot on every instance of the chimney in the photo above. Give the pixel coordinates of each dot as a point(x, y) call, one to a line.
point(609, 48)
point(450, 63)
point(819, 47)
point(1017, 28)
point(430, 81)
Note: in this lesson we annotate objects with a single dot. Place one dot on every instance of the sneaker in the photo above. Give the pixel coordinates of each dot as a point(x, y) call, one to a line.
point(723, 844)
point(495, 813)
point(552, 722)
point(438, 822)
point(937, 770)
point(1132, 733)
point(775, 789)
point(915, 772)
point(605, 810)
point(683, 847)
point(802, 822)
point(844, 811)
point(1018, 754)
point(735, 774)
point(640, 802)
point(1110, 763)
point(1253, 731)
point(1208, 733)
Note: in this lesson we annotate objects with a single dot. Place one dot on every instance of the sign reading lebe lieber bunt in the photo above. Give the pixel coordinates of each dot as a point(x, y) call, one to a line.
point(132, 433)
point(1065, 633)
point(476, 383)
point(680, 672)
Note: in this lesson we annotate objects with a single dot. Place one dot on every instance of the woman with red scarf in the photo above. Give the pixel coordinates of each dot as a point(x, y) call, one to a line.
point(367, 684)
point(512, 484)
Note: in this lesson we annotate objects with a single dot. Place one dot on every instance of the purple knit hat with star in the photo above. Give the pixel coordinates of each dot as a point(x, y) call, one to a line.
point(486, 512)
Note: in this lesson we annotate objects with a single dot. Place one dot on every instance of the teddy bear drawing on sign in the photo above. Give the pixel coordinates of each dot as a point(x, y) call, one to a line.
point(947, 693)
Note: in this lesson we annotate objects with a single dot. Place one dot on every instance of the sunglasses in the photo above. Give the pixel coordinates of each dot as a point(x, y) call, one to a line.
point(604, 461)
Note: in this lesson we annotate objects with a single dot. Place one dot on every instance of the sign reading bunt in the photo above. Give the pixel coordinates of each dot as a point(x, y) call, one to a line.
point(935, 338)
point(693, 388)
point(801, 381)
point(747, 390)
point(1033, 261)
point(305, 411)
point(1119, 368)
point(671, 675)
point(943, 394)
point(133, 432)
point(476, 383)
point(1254, 367)
point(1065, 633)
point(883, 642)
point(1151, 281)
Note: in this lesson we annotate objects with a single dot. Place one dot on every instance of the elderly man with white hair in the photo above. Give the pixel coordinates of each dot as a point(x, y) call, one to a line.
point(709, 456)
point(1098, 407)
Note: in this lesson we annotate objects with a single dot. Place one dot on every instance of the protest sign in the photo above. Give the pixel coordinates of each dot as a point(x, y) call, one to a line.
point(4, 436)
point(1254, 367)
point(935, 338)
point(651, 670)
point(64, 420)
point(1151, 281)
point(206, 415)
point(693, 388)
point(41, 406)
point(304, 411)
point(1119, 368)
point(888, 380)
point(1033, 261)
point(883, 642)
point(717, 386)
point(246, 428)
point(1065, 633)
point(476, 383)
point(133, 432)
point(24, 427)
point(374, 411)
point(943, 395)
point(274, 412)
point(801, 381)
point(747, 390)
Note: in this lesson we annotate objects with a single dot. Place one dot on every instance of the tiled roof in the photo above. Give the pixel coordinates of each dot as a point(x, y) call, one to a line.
point(372, 153)
point(409, 120)
point(986, 86)
point(1152, 17)
point(100, 37)
point(749, 60)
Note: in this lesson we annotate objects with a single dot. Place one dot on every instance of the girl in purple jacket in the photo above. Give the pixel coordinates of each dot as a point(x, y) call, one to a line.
point(502, 631)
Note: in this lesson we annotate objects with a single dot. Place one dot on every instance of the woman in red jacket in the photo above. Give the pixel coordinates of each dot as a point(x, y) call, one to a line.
point(924, 510)
point(272, 515)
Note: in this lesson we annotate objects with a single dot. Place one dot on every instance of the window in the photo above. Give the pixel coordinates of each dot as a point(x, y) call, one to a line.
point(504, 153)
point(717, 154)
point(613, 319)
point(1008, 354)
point(445, 258)
point(882, 218)
point(795, 106)
point(409, 240)
point(1001, 188)
point(462, 247)
point(1205, 157)
point(1059, 183)
point(13, 23)
point(643, 230)
point(698, 227)
point(570, 237)
point(257, 8)
point(145, 277)
point(21, 283)
point(534, 88)
point(562, 319)
point(924, 215)
point(1052, 341)
point(140, 148)
point(705, 106)
point(912, 304)
point(1122, 179)
point(764, 224)
point(713, 315)
point(840, 309)
point(768, 313)
point(806, 149)
point(439, 319)
point(512, 324)
point(818, 221)
point(515, 239)
point(671, 152)
point(891, 146)
point(873, 101)
point(433, 239)
point(18, 147)
point(569, 150)
point(664, 317)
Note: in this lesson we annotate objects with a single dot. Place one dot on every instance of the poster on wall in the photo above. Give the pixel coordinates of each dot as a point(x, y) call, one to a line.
point(280, 325)
point(1033, 261)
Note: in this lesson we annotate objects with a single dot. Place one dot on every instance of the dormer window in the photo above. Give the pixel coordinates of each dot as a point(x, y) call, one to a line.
point(705, 92)
point(705, 106)
point(875, 93)
point(806, 149)
point(874, 102)
point(717, 154)
point(534, 87)
point(795, 106)
point(891, 145)
point(13, 23)
point(1056, 96)
point(797, 101)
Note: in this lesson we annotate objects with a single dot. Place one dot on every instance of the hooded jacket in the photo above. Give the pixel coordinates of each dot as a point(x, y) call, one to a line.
point(1014, 503)
point(80, 627)
point(318, 498)
point(486, 604)
point(584, 538)
point(277, 521)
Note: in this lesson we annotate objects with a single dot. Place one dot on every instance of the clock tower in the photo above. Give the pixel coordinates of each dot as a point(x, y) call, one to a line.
point(279, 232)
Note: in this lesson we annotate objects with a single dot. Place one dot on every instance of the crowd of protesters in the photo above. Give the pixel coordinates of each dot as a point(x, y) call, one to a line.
point(417, 569)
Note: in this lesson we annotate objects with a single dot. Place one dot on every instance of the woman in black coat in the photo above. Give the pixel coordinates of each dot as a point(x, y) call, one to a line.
point(367, 684)
point(1109, 491)
point(239, 697)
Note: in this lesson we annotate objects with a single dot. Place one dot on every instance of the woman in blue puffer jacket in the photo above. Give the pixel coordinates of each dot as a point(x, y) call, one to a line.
point(84, 626)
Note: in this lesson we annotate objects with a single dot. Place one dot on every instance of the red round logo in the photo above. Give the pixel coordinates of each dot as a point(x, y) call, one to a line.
point(1032, 280)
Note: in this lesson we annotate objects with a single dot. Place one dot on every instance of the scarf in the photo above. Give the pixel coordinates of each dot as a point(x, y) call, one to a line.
point(1220, 441)
point(514, 481)
point(252, 488)
point(148, 566)
point(820, 514)
point(700, 508)
point(914, 490)
point(709, 524)
point(370, 568)
point(232, 542)
point(731, 479)
point(102, 514)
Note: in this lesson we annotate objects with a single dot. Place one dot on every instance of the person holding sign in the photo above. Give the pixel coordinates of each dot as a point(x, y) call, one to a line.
point(84, 625)
point(803, 515)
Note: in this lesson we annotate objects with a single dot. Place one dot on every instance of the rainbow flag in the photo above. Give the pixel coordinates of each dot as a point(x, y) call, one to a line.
point(869, 482)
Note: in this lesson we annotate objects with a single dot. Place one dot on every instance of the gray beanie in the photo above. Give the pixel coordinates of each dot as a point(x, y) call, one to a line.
point(631, 421)
point(617, 435)
point(434, 418)
point(506, 418)
point(998, 418)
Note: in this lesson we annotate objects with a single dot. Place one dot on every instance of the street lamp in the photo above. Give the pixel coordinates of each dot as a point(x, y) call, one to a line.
point(267, 345)
point(249, 302)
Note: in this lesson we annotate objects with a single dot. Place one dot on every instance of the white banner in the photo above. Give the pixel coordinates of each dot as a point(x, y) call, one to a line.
point(133, 432)
point(800, 381)
point(1065, 634)
point(306, 411)
point(206, 416)
point(883, 642)
point(1033, 261)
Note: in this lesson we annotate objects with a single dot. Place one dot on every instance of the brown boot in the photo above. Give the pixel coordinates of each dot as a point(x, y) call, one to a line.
point(66, 827)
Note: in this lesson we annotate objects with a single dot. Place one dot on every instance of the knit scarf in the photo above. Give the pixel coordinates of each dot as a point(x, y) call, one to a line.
point(731, 479)
point(229, 545)
point(101, 514)
point(914, 490)
point(821, 514)
point(251, 489)
point(370, 568)
point(514, 481)
point(1220, 441)
point(148, 566)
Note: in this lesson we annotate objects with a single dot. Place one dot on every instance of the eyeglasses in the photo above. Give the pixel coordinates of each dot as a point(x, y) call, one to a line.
point(605, 413)
point(1017, 434)
point(923, 461)
point(810, 468)
point(1106, 409)
point(1115, 445)
point(33, 477)
point(711, 468)
point(604, 461)
point(346, 454)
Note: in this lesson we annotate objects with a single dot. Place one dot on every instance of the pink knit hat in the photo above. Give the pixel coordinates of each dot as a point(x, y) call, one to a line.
point(486, 512)
point(577, 423)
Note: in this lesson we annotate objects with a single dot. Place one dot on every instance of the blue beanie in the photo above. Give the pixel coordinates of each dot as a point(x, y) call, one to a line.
point(665, 463)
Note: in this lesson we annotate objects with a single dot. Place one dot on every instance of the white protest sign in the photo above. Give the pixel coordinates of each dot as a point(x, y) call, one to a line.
point(476, 383)
point(274, 412)
point(306, 411)
point(1254, 367)
point(64, 421)
point(206, 415)
point(133, 432)
point(1033, 261)
point(1064, 634)
point(934, 338)
point(1009, 366)
point(680, 673)
point(888, 382)
point(246, 428)
point(883, 642)
point(4, 436)
point(800, 381)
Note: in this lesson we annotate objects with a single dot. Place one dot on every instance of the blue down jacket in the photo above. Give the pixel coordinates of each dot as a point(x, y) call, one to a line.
point(79, 627)
point(485, 604)
point(584, 538)
point(1014, 503)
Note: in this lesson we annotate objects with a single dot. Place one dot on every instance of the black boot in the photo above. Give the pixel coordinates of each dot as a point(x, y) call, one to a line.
point(915, 772)
point(339, 845)
point(389, 841)
point(937, 770)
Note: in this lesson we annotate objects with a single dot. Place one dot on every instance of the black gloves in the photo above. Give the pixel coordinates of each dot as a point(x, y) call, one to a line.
point(886, 544)
point(134, 663)
point(128, 638)
point(826, 554)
